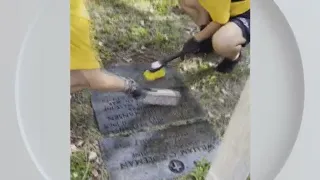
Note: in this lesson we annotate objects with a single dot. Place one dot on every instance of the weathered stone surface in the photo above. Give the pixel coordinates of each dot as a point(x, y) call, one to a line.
point(164, 154)
point(117, 112)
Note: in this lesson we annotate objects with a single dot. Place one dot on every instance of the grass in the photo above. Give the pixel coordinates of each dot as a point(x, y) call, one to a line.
point(126, 31)
point(80, 166)
point(200, 171)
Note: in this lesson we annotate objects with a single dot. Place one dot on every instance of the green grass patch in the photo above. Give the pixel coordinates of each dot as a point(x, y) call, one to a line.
point(200, 171)
point(126, 25)
point(163, 6)
point(138, 32)
point(80, 166)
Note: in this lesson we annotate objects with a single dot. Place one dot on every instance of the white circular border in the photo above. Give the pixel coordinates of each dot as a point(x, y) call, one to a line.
point(304, 159)
point(299, 163)
point(36, 132)
point(18, 90)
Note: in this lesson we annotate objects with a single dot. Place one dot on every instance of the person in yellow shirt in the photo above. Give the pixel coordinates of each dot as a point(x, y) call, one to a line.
point(224, 28)
point(85, 70)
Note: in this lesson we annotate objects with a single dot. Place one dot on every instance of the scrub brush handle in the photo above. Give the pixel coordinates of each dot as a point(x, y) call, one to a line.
point(172, 57)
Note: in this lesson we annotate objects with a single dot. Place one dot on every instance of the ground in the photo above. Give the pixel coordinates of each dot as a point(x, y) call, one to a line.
point(126, 31)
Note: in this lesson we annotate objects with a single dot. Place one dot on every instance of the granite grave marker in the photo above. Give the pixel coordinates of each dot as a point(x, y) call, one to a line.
point(117, 112)
point(164, 154)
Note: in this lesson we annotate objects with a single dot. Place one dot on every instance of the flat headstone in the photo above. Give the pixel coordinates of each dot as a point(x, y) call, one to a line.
point(117, 112)
point(164, 154)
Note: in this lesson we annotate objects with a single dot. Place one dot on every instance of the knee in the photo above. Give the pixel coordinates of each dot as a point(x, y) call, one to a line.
point(228, 40)
point(224, 45)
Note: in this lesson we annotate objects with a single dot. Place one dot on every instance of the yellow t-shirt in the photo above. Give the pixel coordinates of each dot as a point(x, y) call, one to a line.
point(82, 53)
point(221, 10)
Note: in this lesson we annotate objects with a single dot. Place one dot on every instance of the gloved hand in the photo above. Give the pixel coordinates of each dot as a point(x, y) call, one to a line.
point(191, 46)
point(133, 88)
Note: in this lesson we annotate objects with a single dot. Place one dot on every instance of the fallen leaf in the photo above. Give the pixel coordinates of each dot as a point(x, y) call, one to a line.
point(221, 100)
point(75, 175)
point(98, 161)
point(224, 91)
point(92, 155)
point(142, 22)
point(166, 37)
point(216, 89)
point(80, 143)
point(211, 64)
point(210, 114)
point(95, 173)
point(73, 148)
point(128, 60)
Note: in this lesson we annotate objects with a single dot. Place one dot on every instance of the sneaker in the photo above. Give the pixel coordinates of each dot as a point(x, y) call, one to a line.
point(227, 65)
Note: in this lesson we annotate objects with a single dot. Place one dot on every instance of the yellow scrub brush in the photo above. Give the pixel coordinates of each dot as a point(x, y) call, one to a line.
point(157, 69)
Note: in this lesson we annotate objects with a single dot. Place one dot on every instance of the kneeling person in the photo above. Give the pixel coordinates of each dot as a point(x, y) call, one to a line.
point(224, 28)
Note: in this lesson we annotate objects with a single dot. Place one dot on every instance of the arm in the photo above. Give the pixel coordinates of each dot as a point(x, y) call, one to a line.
point(219, 13)
point(208, 31)
point(97, 80)
point(109, 82)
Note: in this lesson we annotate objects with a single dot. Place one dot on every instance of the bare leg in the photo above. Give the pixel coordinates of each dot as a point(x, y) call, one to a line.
point(95, 79)
point(227, 41)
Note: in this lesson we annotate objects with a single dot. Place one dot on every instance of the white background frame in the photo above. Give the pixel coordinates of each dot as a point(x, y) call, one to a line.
point(285, 88)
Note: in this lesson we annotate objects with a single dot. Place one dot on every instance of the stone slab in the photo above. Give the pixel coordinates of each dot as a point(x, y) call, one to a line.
point(118, 113)
point(164, 154)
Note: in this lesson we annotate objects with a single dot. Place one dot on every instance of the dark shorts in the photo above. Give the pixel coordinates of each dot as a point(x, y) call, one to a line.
point(243, 21)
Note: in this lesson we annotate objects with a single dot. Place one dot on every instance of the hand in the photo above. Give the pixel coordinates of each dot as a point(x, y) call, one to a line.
point(191, 46)
point(133, 88)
